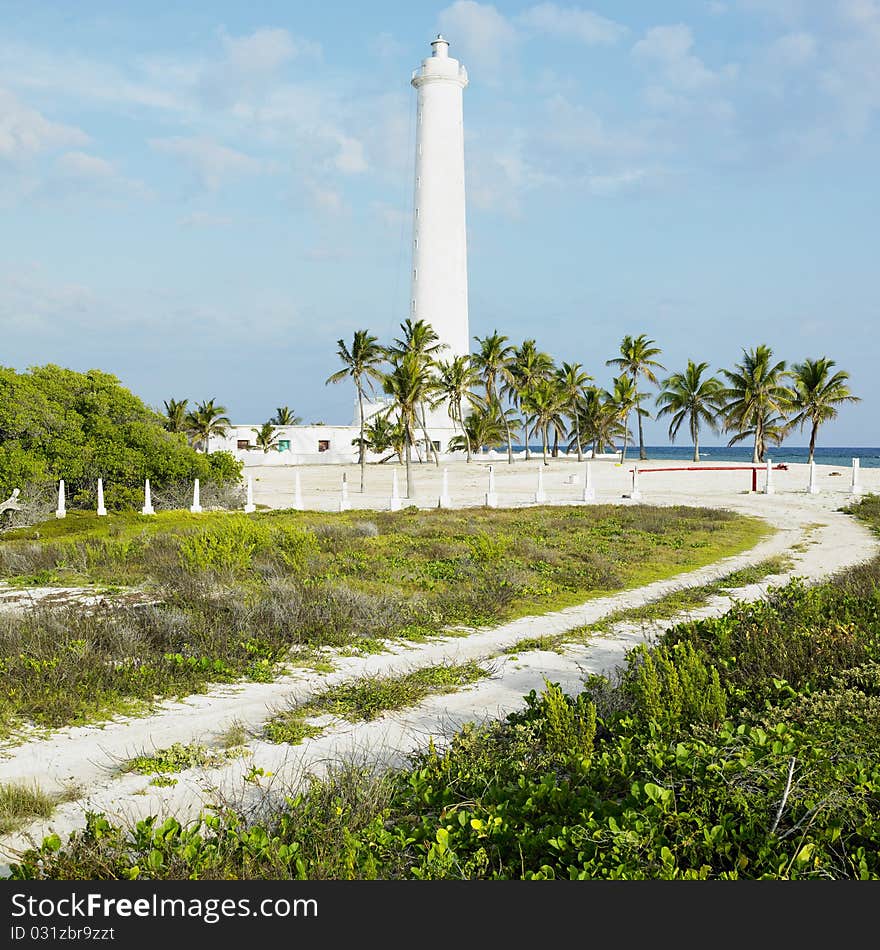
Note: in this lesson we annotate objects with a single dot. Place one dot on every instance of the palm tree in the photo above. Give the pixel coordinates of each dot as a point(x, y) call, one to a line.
point(817, 394)
point(420, 339)
point(409, 383)
point(360, 362)
point(175, 415)
point(756, 399)
point(381, 434)
point(455, 384)
point(571, 382)
point(528, 367)
point(598, 420)
point(625, 397)
point(206, 420)
point(688, 396)
point(493, 361)
point(544, 404)
point(481, 429)
point(637, 359)
point(266, 437)
point(285, 416)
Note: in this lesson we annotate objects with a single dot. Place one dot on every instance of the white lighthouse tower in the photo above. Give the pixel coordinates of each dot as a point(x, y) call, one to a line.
point(439, 272)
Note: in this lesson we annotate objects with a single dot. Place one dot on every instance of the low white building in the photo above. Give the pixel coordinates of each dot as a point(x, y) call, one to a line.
point(325, 444)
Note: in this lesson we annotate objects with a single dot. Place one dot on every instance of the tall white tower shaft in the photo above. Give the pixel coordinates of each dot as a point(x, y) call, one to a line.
point(439, 274)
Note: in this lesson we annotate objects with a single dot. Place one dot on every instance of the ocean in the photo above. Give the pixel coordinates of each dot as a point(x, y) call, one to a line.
point(841, 456)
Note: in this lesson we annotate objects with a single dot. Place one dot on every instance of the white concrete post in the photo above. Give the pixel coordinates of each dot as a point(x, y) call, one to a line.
point(813, 487)
point(249, 505)
point(635, 494)
point(589, 491)
point(394, 504)
point(444, 500)
point(101, 509)
point(61, 510)
point(297, 492)
point(148, 501)
point(196, 506)
point(856, 488)
point(540, 497)
point(491, 496)
point(768, 483)
point(344, 503)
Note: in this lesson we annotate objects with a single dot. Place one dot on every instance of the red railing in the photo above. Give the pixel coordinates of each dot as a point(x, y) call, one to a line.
point(754, 469)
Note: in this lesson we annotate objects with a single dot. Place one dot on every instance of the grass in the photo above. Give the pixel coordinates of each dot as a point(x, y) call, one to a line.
point(179, 757)
point(247, 597)
point(368, 698)
point(21, 804)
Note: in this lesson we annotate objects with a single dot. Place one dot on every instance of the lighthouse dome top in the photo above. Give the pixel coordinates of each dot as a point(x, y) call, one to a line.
point(440, 65)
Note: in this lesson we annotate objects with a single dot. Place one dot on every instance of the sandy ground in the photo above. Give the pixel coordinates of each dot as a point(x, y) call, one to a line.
point(811, 528)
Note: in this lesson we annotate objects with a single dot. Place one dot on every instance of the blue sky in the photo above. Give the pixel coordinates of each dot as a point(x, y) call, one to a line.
point(202, 198)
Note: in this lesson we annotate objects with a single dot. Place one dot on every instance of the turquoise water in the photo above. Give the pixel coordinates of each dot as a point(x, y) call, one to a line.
point(831, 455)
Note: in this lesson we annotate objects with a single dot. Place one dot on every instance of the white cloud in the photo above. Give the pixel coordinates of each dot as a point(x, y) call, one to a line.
point(583, 25)
point(794, 49)
point(326, 199)
point(261, 51)
point(213, 163)
point(85, 166)
point(202, 219)
point(24, 132)
point(669, 49)
point(478, 35)
point(350, 157)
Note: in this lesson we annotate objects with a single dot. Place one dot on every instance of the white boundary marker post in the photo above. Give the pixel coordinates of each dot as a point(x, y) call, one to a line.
point(395, 503)
point(635, 494)
point(249, 505)
point(491, 496)
point(297, 492)
point(444, 501)
point(148, 501)
point(856, 487)
point(589, 492)
point(196, 507)
point(61, 510)
point(540, 497)
point(344, 503)
point(812, 487)
point(102, 511)
point(768, 482)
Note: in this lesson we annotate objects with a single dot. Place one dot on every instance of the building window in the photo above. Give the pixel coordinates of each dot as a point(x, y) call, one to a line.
point(243, 444)
point(284, 445)
point(323, 445)
point(436, 444)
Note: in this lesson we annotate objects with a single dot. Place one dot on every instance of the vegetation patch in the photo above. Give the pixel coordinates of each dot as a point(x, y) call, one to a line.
point(179, 757)
point(742, 746)
point(21, 804)
point(246, 597)
point(369, 697)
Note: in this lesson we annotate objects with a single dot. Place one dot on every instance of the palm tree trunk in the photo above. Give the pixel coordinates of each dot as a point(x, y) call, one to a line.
point(556, 443)
point(695, 435)
point(625, 436)
point(526, 436)
point(813, 433)
point(758, 451)
point(577, 435)
point(410, 488)
point(429, 445)
point(642, 453)
point(509, 440)
point(544, 441)
point(362, 459)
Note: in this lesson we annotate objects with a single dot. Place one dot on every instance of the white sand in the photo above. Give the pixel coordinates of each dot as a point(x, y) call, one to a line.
point(820, 538)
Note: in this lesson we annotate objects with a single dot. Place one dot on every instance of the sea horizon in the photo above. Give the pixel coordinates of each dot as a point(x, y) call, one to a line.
point(840, 455)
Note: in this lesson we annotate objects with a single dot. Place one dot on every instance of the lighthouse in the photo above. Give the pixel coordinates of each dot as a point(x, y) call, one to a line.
point(439, 250)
